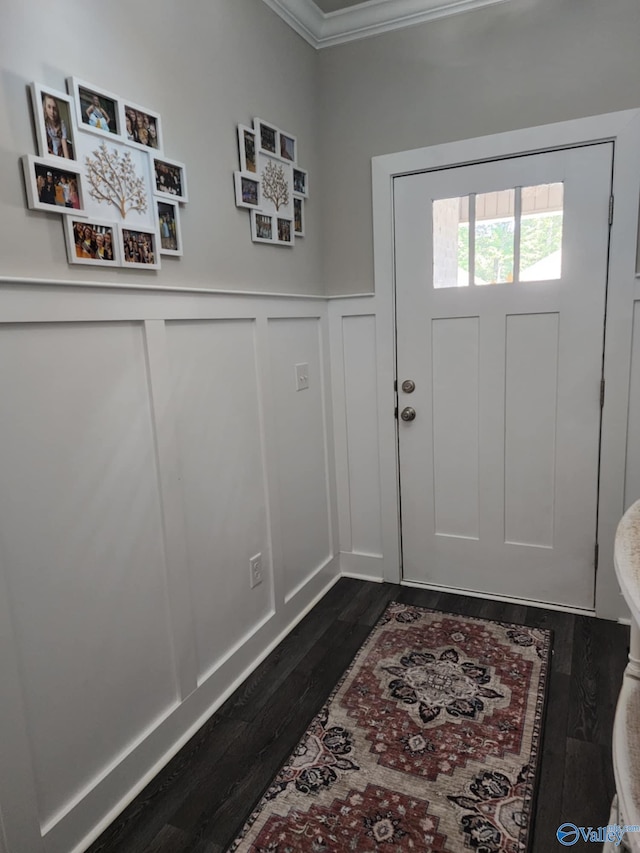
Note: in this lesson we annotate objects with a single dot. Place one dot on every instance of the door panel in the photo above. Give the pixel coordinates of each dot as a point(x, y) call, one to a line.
point(499, 470)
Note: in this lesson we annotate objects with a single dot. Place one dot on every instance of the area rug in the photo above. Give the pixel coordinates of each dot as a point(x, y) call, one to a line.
point(430, 742)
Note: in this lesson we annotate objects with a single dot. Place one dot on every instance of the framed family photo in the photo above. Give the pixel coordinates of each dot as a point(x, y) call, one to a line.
point(170, 179)
point(139, 248)
point(54, 121)
point(169, 227)
point(52, 186)
point(247, 146)
point(261, 227)
point(300, 182)
point(284, 232)
point(97, 110)
point(247, 190)
point(267, 137)
point(140, 126)
point(298, 217)
point(287, 147)
point(93, 242)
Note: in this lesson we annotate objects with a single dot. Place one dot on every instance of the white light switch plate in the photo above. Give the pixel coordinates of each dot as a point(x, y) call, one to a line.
point(302, 377)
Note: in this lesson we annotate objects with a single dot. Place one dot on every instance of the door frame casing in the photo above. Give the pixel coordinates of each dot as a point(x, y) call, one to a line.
point(621, 128)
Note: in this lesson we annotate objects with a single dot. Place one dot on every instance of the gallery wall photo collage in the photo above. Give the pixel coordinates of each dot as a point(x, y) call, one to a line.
point(101, 165)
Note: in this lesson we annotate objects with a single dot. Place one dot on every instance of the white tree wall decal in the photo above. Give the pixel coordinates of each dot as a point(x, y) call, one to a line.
point(274, 185)
point(113, 180)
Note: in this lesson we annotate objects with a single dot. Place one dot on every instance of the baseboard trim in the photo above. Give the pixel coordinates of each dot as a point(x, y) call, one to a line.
point(543, 605)
point(360, 577)
point(368, 567)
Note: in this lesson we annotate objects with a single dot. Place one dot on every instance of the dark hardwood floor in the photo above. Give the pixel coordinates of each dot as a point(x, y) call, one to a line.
point(201, 799)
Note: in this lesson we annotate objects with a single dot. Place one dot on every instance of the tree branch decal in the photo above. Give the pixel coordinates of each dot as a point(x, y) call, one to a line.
point(274, 185)
point(113, 180)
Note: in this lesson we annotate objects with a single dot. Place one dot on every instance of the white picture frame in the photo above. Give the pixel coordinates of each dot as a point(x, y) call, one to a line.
point(267, 138)
point(247, 149)
point(298, 216)
point(136, 233)
point(300, 182)
point(153, 123)
point(108, 104)
point(247, 190)
point(53, 138)
point(36, 175)
point(259, 222)
point(174, 170)
point(84, 250)
point(169, 228)
point(287, 146)
point(284, 233)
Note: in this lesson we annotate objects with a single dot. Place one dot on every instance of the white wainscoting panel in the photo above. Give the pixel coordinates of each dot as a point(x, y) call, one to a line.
point(632, 480)
point(363, 451)
point(152, 443)
point(81, 532)
point(215, 394)
point(363, 424)
point(300, 432)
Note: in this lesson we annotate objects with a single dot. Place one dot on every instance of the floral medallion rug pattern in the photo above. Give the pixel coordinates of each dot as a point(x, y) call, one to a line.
point(430, 742)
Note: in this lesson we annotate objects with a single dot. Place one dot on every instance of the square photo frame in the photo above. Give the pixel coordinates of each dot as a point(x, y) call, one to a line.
point(284, 231)
point(140, 126)
point(97, 110)
point(55, 121)
point(139, 247)
point(267, 137)
point(298, 216)
point(91, 241)
point(288, 145)
point(170, 179)
point(247, 190)
point(262, 227)
point(54, 186)
point(169, 227)
point(247, 146)
point(300, 182)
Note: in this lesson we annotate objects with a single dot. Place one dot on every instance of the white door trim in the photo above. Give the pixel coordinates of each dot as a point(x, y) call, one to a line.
point(623, 128)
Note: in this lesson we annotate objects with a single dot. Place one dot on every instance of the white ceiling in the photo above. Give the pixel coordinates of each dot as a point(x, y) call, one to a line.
point(324, 23)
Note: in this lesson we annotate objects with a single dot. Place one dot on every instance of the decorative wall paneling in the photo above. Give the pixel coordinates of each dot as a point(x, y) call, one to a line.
point(364, 426)
point(152, 443)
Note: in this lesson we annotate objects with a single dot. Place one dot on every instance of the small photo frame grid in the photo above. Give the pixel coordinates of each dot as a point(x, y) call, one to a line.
point(268, 165)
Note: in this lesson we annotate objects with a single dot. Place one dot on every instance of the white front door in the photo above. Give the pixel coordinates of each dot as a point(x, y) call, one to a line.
point(500, 298)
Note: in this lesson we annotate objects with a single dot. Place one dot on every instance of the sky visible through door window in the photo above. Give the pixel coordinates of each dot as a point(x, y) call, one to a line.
point(512, 235)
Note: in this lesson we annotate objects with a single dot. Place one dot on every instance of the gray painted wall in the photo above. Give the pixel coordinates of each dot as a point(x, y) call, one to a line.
point(514, 65)
point(205, 66)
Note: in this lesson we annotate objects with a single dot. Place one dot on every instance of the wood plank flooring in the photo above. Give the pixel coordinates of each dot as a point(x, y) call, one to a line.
point(200, 800)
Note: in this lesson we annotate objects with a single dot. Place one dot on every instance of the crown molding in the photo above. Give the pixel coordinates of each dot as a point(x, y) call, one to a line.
point(370, 18)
